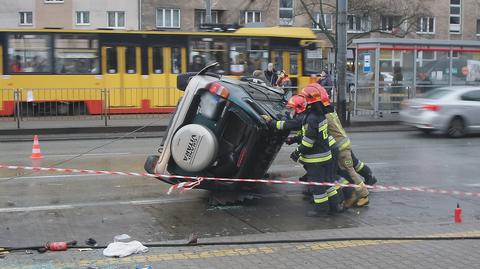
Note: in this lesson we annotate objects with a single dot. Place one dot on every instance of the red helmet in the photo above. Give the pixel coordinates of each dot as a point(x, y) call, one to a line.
point(297, 103)
point(315, 93)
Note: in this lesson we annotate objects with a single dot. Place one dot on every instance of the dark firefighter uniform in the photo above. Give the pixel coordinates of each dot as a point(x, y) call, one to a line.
point(315, 155)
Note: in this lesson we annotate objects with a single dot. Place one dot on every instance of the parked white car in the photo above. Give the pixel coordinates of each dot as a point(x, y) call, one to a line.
point(454, 111)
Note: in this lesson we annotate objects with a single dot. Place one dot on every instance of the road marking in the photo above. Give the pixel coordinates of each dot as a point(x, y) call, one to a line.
point(94, 204)
point(55, 176)
point(199, 253)
point(88, 154)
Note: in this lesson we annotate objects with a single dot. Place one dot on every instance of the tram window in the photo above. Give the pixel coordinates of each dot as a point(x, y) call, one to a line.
point(278, 60)
point(293, 63)
point(112, 60)
point(157, 60)
point(313, 61)
point(29, 53)
point(238, 57)
point(76, 54)
point(208, 50)
point(176, 60)
point(257, 54)
point(130, 60)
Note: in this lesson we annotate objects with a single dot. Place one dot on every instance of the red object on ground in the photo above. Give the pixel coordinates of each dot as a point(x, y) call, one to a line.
point(57, 246)
point(458, 214)
point(36, 154)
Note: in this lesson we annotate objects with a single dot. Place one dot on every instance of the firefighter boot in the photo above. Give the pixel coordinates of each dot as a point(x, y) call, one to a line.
point(359, 197)
point(336, 203)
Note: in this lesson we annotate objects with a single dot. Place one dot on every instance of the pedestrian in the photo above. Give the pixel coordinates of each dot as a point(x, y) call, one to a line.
point(16, 66)
point(271, 74)
point(325, 81)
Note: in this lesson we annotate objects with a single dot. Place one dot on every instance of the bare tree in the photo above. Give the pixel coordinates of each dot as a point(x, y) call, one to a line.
point(396, 18)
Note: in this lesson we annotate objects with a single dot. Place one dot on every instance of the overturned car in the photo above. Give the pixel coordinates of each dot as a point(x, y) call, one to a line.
point(219, 130)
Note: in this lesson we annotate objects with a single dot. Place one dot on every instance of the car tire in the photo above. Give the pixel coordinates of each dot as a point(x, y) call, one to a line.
point(456, 128)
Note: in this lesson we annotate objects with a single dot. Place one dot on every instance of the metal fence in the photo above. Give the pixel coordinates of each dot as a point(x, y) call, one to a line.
point(90, 104)
point(81, 104)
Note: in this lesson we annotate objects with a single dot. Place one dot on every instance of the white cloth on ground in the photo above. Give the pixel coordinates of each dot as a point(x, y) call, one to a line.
point(124, 249)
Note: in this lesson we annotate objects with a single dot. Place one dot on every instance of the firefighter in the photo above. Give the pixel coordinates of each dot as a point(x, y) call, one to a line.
point(298, 105)
point(345, 163)
point(315, 155)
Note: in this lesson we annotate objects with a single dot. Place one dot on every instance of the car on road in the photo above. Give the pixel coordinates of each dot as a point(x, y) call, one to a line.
point(219, 129)
point(454, 111)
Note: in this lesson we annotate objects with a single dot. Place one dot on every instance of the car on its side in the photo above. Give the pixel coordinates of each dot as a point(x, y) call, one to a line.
point(219, 129)
point(454, 111)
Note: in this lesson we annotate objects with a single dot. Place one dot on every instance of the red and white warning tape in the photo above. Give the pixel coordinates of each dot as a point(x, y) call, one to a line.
point(196, 181)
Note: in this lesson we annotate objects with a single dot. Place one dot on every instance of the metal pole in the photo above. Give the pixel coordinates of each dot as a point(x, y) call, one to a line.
point(208, 11)
point(105, 106)
point(341, 64)
point(17, 112)
point(376, 94)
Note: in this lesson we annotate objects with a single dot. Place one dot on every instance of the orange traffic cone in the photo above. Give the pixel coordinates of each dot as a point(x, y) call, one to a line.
point(36, 154)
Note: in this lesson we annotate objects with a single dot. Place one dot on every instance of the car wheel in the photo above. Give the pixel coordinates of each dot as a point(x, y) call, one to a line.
point(456, 128)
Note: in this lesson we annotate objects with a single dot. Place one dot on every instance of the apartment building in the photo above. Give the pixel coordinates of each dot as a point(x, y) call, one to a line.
point(70, 14)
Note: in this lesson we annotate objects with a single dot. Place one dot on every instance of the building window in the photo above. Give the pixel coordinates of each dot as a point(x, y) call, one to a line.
point(357, 24)
point(26, 18)
point(455, 16)
point(168, 18)
point(478, 26)
point(327, 19)
point(389, 23)
point(252, 17)
point(286, 12)
point(83, 17)
point(426, 25)
point(116, 19)
point(201, 18)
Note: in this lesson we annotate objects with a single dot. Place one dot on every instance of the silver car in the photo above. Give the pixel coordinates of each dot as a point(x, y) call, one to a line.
point(454, 111)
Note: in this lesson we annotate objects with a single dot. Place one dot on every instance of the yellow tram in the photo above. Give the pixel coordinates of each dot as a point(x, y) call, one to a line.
point(72, 66)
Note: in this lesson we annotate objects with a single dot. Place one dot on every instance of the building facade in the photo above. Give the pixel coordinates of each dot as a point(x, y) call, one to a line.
point(70, 14)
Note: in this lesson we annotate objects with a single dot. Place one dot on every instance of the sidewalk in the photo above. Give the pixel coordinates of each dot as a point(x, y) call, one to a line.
point(328, 254)
point(93, 127)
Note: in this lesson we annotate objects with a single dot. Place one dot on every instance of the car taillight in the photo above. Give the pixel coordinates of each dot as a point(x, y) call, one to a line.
point(219, 89)
point(431, 107)
point(241, 158)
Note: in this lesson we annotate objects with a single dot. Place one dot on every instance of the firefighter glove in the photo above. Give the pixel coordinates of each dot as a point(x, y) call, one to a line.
point(295, 156)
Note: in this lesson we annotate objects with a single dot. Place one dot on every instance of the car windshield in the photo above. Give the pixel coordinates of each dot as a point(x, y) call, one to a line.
point(436, 94)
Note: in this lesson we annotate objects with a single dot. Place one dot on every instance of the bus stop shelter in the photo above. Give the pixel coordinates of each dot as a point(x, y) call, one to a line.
point(389, 70)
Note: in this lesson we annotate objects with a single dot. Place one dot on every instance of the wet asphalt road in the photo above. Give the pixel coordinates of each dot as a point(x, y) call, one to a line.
point(40, 207)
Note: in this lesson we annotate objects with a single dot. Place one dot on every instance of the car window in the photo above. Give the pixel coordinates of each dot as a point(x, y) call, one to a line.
point(436, 94)
point(471, 96)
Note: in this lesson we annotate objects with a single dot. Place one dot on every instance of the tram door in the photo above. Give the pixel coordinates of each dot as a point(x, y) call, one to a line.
point(289, 61)
point(121, 67)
